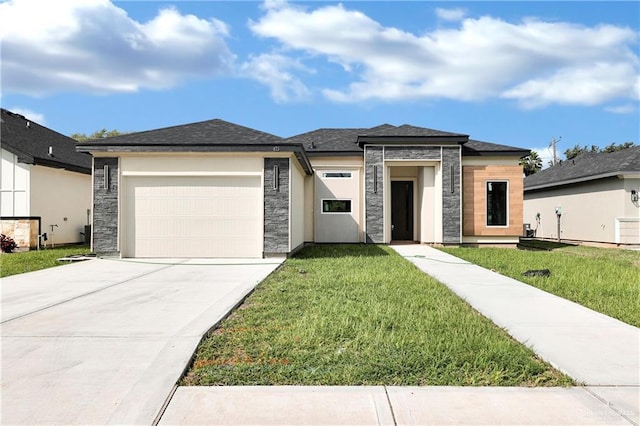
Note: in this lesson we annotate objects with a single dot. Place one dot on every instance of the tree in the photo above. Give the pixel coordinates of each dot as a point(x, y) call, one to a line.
point(531, 164)
point(98, 134)
point(577, 150)
point(612, 147)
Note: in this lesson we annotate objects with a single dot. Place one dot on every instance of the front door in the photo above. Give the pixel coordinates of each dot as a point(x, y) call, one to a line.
point(402, 210)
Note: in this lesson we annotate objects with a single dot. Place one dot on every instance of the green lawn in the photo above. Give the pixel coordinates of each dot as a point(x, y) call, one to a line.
point(20, 262)
point(361, 315)
point(605, 280)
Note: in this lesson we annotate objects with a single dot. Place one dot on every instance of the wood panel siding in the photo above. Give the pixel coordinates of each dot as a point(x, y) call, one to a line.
point(474, 211)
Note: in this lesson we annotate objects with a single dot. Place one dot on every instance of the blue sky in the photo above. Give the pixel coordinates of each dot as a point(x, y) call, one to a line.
point(515, 73)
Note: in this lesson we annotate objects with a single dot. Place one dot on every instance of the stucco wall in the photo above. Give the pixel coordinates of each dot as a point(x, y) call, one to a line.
point(62, 198)
point(474, 200)
point(355, 164)
point(589, 210)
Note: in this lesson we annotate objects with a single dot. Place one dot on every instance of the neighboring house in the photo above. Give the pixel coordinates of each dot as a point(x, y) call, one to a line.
point(596, 194)
point(217, 189)
point(45, 184)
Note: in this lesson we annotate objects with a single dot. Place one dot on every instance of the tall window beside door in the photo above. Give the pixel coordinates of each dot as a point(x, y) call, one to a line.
point(497, 203)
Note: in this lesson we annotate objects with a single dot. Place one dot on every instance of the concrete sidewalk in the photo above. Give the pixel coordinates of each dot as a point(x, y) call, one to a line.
point(382, 405)
point(594, 349)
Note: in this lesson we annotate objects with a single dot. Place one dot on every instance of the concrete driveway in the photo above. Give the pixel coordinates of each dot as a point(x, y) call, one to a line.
point(104, 341)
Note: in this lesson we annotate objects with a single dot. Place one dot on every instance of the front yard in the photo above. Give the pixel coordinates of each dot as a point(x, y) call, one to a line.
point(361, 315)
point(605, 280)
point(21, 262)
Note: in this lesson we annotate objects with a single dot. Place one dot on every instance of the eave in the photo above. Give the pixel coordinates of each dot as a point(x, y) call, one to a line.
point(296, 149)
point(581, 180)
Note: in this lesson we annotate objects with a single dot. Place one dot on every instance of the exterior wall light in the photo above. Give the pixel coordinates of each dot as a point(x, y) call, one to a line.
point(634, 196)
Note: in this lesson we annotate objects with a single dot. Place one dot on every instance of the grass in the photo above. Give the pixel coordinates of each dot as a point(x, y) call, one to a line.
point(361, 315)
point(605, 280)
point(20, 262)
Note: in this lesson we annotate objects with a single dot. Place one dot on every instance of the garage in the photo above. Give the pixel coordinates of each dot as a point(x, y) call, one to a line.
point(193, 216)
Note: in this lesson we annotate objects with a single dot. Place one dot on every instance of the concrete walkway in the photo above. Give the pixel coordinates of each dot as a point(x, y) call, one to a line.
point(104, 341)
point(594, 349)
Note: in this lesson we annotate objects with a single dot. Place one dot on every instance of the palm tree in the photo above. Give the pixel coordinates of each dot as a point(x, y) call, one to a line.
point(531, 163)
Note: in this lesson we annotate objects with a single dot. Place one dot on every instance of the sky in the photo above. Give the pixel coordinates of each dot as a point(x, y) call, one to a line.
point(510, 72)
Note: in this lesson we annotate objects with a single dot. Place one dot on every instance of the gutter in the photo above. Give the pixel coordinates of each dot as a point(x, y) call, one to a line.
point(296, 149)
point(407, 140)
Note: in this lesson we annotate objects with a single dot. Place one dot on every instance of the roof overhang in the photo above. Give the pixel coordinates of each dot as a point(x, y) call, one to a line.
point(335, 153)
point(45, 162)
point(411, 140)
point(297, 149)
point(620, 175)
point(514, 153)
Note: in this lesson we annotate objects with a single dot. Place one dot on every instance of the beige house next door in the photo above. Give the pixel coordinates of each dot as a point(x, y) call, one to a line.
point(337, 206)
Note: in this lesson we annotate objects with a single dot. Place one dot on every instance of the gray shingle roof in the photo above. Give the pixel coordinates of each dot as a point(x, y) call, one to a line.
point(586, 166)
point(334, 140)
point(31, 144)
point(315, 143)
point(407, 130)
point(474, 147)
point(211, 132)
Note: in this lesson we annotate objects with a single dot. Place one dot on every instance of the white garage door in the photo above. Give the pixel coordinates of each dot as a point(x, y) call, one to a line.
point(193, 217)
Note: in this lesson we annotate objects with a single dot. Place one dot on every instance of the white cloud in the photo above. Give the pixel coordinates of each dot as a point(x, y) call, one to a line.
point(532, 62)
point(29, 114)
point(621, 109)
point(94, 46)
point(450, 14)
point(546, 155)
point(273, 70)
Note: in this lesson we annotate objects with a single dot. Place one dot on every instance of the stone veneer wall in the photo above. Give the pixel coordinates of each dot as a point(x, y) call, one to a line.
point(276, 207)
point(451, 225)
point(374, 201)
point(105, 207)
point(24, 231)
point(417, 153)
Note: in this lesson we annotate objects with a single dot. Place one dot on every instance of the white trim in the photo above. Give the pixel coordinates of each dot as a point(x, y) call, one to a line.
point(350, 200)
point(471, 239)
point(486, 198)
point(461, 189)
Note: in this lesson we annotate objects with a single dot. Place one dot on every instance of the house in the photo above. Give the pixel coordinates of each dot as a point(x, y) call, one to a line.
point(218, 189)
point(596, 195)
point(45, 183)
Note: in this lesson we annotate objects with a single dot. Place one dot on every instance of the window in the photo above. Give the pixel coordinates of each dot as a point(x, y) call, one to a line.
point(336, 175)
point(336, 206)
point(497, 203)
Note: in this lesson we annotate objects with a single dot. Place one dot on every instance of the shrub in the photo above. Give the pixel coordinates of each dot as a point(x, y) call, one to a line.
point(7, 244)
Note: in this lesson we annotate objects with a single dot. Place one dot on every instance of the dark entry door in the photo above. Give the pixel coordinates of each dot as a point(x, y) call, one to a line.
point(402, 210)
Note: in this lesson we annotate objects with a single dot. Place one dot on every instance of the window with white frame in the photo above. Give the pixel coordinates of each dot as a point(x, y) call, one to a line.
point(497, 203)
point(336, 206)
point(336, 175)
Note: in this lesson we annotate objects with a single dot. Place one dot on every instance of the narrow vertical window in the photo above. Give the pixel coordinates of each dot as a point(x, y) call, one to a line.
point(375, 179)
point(497, 203)
point(276, 177)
